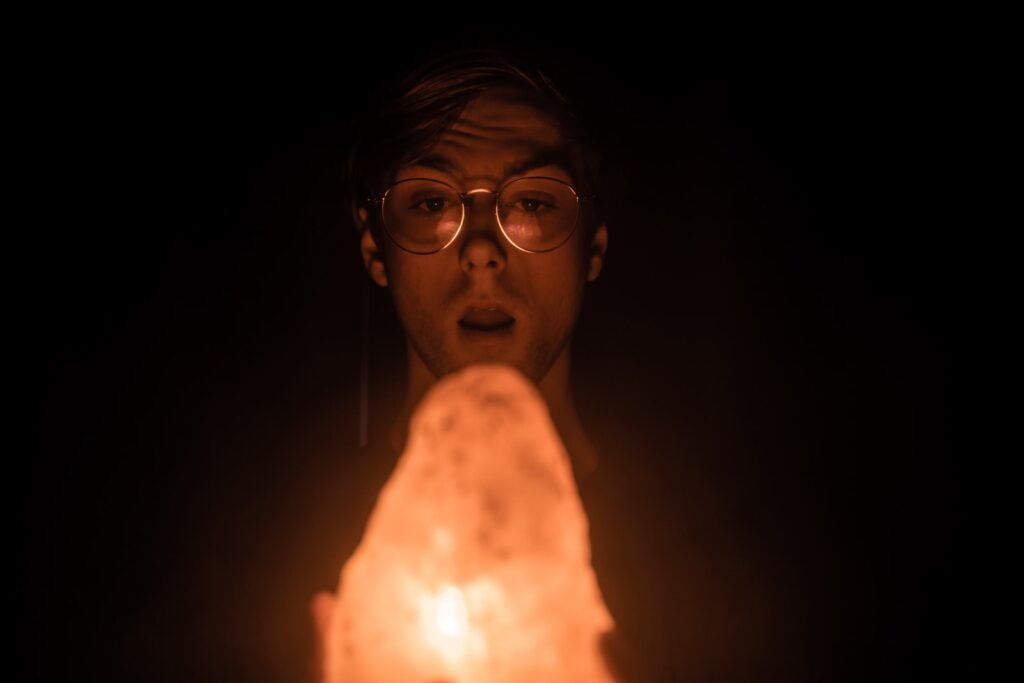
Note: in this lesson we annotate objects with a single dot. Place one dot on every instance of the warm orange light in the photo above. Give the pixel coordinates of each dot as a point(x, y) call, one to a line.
point(475, 564)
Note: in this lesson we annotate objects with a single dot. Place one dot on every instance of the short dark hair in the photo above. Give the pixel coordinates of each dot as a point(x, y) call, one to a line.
point(404, 121)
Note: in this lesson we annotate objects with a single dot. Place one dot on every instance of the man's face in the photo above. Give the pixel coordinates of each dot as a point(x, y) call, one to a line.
point(543, 292)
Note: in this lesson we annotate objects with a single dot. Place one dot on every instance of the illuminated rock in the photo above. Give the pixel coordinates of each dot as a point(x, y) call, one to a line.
point(475, 563)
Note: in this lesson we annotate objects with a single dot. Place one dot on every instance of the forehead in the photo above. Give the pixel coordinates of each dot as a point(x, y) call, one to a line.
point(498, 135)
point(503, 117)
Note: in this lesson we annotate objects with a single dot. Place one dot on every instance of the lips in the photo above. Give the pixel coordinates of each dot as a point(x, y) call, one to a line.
point(486, 317)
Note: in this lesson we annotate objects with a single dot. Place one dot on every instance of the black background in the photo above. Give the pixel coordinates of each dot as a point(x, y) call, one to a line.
point(774, 287)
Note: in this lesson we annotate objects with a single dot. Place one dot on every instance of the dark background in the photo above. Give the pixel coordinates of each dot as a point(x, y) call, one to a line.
point(775, 290)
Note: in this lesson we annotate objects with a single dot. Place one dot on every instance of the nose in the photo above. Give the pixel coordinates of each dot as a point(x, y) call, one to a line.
point(484, 245)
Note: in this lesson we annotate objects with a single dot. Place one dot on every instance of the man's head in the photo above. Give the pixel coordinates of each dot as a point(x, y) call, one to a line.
point(467, 119)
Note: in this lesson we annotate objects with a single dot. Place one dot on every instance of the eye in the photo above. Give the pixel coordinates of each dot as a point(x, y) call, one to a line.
point(530, 205)
point(432, 204)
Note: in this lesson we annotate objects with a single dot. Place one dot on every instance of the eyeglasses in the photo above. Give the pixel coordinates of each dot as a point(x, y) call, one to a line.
point(535, 213)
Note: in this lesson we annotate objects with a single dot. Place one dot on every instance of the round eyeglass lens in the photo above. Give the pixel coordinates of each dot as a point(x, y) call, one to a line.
point(422, 215)
point(538, 214)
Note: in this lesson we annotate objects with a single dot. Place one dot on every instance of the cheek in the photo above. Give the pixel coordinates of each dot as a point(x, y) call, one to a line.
point(409, 291)
point(559, 291)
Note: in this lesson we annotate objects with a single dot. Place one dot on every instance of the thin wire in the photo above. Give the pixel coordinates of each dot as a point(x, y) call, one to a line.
point(364, 374)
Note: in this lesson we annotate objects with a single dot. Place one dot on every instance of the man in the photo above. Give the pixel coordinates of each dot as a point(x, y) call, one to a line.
point(478, 196)
point(511, 125)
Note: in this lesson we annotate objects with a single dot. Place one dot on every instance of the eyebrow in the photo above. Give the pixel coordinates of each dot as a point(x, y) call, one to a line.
point(545, 156)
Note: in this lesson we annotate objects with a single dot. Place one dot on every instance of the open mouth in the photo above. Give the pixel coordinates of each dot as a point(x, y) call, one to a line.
point(487, 327)
point(486, 319)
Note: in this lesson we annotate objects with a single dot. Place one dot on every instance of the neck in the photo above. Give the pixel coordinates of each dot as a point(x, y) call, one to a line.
point(554, 387)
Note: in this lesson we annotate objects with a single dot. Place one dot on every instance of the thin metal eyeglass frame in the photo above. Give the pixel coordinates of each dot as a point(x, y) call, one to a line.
point(380, 199)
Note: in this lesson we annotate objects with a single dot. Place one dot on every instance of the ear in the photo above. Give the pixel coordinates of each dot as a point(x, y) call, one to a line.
point(595, 252)
point(373, 257)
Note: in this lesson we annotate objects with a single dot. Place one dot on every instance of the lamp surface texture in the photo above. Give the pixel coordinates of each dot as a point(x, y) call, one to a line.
point(475, 562)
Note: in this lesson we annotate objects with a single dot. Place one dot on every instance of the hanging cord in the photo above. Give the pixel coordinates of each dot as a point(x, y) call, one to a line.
point(364, 373)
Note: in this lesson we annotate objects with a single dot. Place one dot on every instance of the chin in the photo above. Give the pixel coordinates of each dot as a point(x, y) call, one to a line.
point(487, 356)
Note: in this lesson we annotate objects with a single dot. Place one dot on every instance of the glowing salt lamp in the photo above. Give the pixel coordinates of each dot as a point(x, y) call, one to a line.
point(475, 563)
